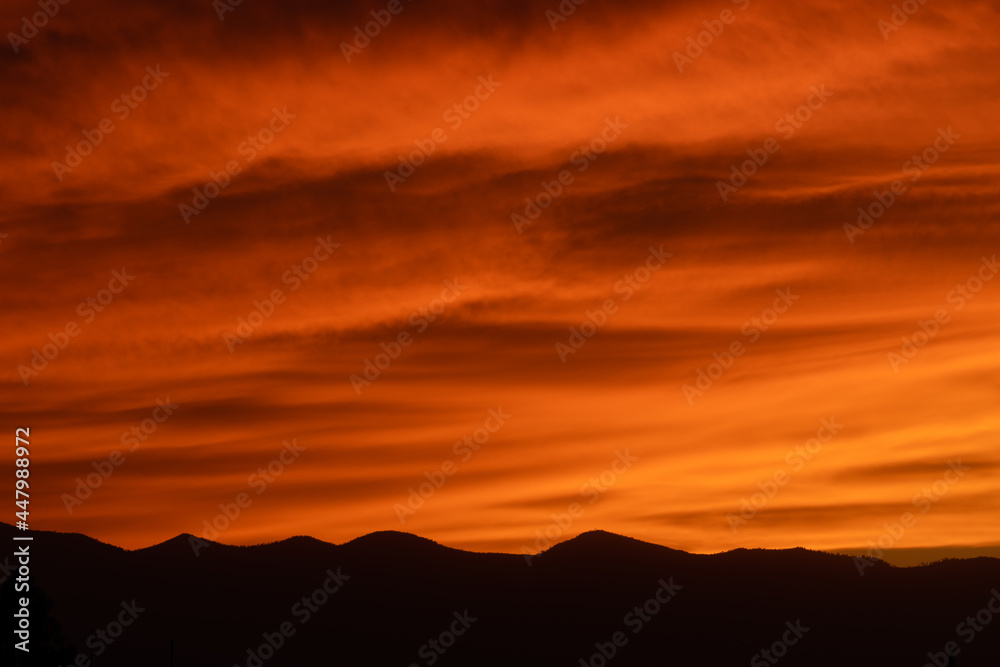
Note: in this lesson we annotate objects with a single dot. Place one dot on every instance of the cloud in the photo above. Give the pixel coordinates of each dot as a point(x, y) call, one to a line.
point(656, 185)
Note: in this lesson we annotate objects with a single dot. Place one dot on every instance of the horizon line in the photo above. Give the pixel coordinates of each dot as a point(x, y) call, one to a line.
point(911, 552)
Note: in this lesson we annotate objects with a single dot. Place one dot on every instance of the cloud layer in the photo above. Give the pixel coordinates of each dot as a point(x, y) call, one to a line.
point(745, 155)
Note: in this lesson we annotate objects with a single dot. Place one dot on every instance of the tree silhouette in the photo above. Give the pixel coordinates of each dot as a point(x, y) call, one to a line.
point(48, 646)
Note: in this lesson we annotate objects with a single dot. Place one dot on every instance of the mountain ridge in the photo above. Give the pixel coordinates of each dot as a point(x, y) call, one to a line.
point(590, 537)
point(381, 598)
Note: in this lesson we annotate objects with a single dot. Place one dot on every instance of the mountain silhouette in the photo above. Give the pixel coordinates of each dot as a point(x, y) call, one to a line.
point(392, 598)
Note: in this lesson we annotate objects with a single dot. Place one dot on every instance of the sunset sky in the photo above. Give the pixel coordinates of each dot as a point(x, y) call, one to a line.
point(644, 127)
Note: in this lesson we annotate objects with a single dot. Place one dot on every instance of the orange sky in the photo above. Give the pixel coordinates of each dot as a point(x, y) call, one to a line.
point(342, 126)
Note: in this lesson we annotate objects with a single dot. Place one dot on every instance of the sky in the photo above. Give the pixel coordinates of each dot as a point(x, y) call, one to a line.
point(710, 275)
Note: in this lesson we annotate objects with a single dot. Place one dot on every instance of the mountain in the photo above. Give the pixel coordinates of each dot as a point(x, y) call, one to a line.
point(392, 598)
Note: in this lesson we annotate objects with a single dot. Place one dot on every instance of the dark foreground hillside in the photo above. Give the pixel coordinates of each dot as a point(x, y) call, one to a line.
point(395, 599)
